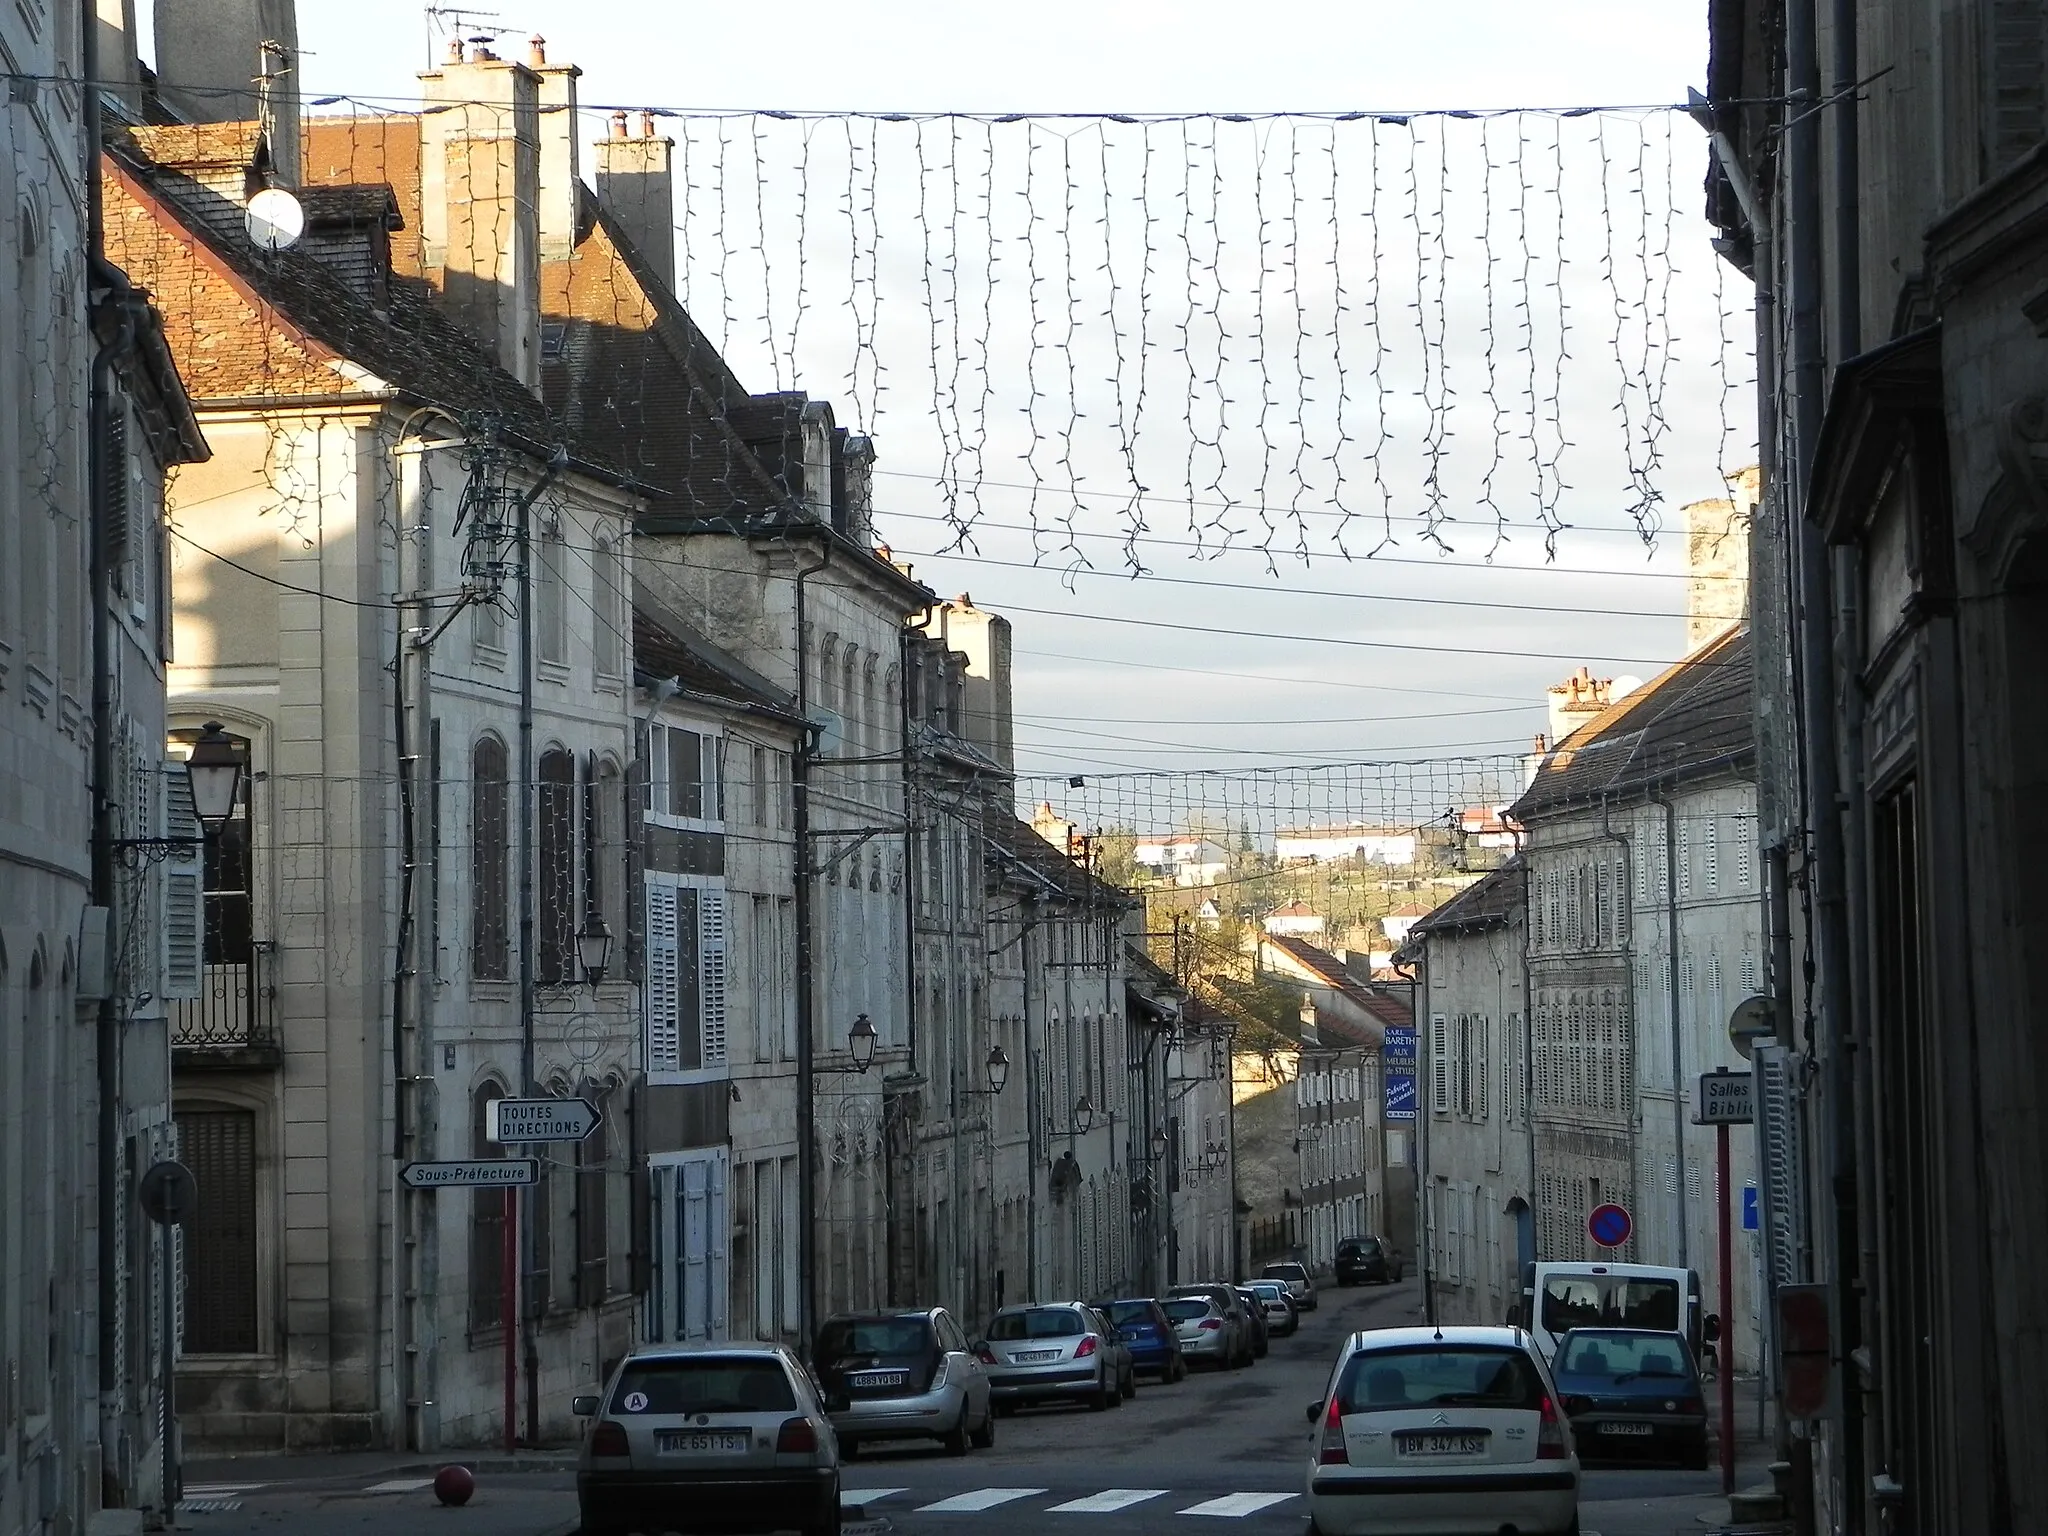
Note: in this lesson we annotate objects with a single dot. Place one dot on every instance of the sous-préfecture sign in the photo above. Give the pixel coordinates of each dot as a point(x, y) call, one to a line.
point(473, 1173)
point(516, 1120)
point(1726, 1098)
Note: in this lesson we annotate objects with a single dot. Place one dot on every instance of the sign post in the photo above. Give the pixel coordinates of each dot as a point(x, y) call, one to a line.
point(169, 1196)
point(1725, 1099)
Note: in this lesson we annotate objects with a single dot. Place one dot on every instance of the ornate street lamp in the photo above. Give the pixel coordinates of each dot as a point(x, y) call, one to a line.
point(594, 948)
point(1084, 1114)
point(214, 771)
point(861, 1041)
point(998, 1068)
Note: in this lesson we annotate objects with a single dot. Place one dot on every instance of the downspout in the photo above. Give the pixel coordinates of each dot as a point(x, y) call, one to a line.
point(806, 1087)
point(1033, 1109)
point(1425, 1095)
point(1677, 1030)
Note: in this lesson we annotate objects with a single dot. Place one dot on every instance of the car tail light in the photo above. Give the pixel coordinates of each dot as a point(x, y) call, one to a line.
point(985, 1355)
point(1211, 1324)
point(609, 1439)
point(798, 1435)
point(1331, 1453)
point(1576, 1404)
point(1692, 1405)
point(1085, 1348)
point(1553, 1440)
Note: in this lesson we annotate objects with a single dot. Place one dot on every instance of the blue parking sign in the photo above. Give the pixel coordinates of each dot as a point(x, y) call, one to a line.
point(1749, 1208)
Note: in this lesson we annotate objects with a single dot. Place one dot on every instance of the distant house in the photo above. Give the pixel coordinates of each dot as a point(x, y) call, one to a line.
point(1297, 917)
point(1376, 845)
point(1185, 861)
point(1399, 921)
point(1483, 826)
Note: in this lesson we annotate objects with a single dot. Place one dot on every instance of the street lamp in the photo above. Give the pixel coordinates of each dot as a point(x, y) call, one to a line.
point(1084, 1114)
point(861, 1041)
point(1158, 1145)
point(998, 1065)
point(594, 948)
point(214, 772)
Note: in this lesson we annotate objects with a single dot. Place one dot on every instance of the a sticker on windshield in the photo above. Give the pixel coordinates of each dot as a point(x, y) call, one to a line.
point(636, 1402)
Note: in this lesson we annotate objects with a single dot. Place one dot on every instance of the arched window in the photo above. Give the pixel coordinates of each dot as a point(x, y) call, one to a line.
point(486, 1221)
point(555, 949)
point(609, 567)
point(551, 596)
point(490, 945)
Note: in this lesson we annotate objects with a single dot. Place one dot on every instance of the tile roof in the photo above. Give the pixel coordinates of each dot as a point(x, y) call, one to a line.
point(1328, 969)
point(1692, 720)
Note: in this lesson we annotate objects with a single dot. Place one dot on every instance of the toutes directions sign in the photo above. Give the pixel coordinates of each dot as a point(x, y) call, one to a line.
point(517, 1120)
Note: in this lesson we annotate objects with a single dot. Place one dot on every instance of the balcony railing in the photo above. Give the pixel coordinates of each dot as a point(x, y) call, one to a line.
point(231, 1014)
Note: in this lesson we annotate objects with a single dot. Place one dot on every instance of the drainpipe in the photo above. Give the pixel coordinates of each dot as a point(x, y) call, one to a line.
point(1677, 1031)
point(1034, 1150)
point(806, 1087)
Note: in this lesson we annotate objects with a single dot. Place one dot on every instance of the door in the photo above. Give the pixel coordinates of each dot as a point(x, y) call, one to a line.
point(689, 1228)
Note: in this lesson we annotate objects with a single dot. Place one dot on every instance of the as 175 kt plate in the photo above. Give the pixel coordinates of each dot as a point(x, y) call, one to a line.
point(1454, 1443)
point(701, 1442)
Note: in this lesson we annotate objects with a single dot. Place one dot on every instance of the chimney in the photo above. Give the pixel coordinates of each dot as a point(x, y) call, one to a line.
point(638, 188)
point(230, 61)
point(120, 70)
point(1717, 563)
point(983, 639)
point(558, 152)
point(1576, 700)
point(480, 200)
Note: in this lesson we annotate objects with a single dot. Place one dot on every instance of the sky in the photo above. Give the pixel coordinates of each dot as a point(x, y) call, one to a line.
point(1212, 659)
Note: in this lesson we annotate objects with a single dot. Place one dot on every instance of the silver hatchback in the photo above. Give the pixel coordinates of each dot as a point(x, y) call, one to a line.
point(708, 1437)
point(903, 1376)
point(1054, 1352)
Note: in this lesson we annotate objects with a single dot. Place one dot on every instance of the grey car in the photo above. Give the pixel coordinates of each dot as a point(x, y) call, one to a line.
point(707, 1437)
point(1230, 1308)
point(1203, 1331)
point(903, 1376)
point(1052, 1352)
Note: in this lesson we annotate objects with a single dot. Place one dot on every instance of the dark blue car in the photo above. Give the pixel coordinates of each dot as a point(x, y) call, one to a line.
point(1632, 1395)
point(1155, 1347)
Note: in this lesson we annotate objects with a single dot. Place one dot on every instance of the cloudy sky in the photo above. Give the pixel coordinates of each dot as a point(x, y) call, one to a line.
point(1216, 256)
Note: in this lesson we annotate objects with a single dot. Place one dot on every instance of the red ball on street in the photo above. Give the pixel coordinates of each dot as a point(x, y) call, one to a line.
point(453, 1485)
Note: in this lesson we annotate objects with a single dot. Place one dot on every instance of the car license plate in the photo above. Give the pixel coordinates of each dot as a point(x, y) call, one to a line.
point(878, 1378)
point(1461, 1444)
point(1619, 1428)
point(1033, 1356)
point(701, 1442)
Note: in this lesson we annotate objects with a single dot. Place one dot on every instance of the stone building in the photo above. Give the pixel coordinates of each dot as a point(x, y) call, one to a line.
point(1892, 225)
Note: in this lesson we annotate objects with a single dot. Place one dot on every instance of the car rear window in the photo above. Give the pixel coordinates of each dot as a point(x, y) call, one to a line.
point(1623, 1357)
point(1038, 1323)
point(1616, 1301)
point(1284, 1272)
point(1439, 1375)
point(1130, 1311)
point(1185, 1309)
point(1272, 1290)
point(874, 1336)
point(704, 1384)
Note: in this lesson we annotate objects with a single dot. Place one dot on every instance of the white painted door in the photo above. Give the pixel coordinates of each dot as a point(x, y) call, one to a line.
point(689, 1229)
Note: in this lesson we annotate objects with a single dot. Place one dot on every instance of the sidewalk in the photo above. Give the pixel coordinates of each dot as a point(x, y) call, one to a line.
point(352, 1467)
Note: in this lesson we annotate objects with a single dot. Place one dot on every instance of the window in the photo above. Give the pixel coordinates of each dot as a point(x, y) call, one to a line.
point(686, 978)
point(608, 566)
point(219, 1146)
point(685, 765)
point(551, 597)
point(555, 950)
point(490, 946)
point(758, 782)
point(486, 1221)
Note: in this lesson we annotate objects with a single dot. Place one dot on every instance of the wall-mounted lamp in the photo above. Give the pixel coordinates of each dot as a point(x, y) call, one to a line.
point(998, 1068)
point(213, 778)
point(594, 948)
point(1084, 1114)
point(861, 1041)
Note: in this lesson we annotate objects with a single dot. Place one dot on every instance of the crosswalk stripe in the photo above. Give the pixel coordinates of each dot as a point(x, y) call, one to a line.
point(1107, 1502)
point(401, 1485)
point(1236, 1505)
point(865, 1495)
point(981, 1498)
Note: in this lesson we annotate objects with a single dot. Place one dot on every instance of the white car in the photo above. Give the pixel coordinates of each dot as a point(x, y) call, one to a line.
point(1300, 1285)
point(1425, 1430)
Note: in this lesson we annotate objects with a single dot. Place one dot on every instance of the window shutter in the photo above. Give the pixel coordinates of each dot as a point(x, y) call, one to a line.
point(1439, 1068)
point(1482, 1067)
point(184, 893)
point(1782, 1217)
point(1712, 850)
point(711, 950)
point(664, 1047)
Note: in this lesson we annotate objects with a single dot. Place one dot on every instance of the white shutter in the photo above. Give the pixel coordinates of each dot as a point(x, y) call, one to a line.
point(693, 1220)
point(712, 969)
point(1780, 1191)
point(184, 892)
point(1482, 1068)
point(664, 1046)
point(718, 1225)
point(1439, 1070)
point(1713, 853)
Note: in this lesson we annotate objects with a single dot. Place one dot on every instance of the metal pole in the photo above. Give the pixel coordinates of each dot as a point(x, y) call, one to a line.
point(509, 1257)
point(1677, 1031)
point(167, 1398)
point(1727, 1362)
point(806, 1085)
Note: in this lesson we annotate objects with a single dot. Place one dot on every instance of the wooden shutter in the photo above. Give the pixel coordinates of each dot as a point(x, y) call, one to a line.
point(1439, 1067)
point(219, 1146)
point(712, 971)
point(1782, 1217)
point(664, 1046)
point(184, 893)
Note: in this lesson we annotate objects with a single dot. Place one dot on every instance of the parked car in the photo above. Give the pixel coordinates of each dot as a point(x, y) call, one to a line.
point(1255, 1313)
point(1122, 1362)
point(1438, 1429)
point(1296, 1278)
point(707, 1437)
point(1203, 1332)
point(903, 1376)
point(1367, 1260)
point(1230, 1307)
point(1051, 1352)
point(1632, 1395)
point(1282, 1316)
point(1150, 1334)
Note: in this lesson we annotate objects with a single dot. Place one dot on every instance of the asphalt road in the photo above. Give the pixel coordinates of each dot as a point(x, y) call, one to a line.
point(1222, 1447)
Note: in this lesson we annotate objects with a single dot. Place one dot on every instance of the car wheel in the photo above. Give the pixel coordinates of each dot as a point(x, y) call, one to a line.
point(985, 1437)
point(593, 1526)
point(1131, 1385)
point(1180, 1369)
point(829, 1526)
point(849, 1448)
point(1698, 1457)
point(955, 1439)
point(1003, 1410)
point(1098, 1400)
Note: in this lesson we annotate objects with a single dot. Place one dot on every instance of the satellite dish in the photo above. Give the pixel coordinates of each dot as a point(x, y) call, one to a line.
point(1754, 1019)
point(275, 219)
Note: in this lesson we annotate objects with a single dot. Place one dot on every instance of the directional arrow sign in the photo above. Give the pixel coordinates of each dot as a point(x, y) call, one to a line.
point(516, 1120)
point(481, 1173)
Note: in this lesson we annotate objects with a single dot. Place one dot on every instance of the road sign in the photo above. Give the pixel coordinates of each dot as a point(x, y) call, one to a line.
point(1749, 1208)
point(169, 1194)
point(518, 1120)
point(1753, 1019)
point(477, 1173)
point(1609, 1225)
point(1400, 1096)
point(1725, 1098)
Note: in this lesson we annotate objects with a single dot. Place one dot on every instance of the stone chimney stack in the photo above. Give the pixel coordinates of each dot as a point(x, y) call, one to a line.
point(1717, 564)
point(559, 152)
point(986, 695)
point(229, 61)
point(635, 179)
point(1576, 700)
point(480, 201)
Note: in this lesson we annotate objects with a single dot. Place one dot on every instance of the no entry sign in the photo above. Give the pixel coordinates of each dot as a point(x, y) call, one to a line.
point(1609, 1225)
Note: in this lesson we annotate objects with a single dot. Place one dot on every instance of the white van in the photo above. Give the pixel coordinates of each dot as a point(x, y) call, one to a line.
point(1561, 1296)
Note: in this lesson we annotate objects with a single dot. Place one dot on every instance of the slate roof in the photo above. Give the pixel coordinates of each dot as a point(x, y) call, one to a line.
point(1490, 902)
point(1691, 721)
point(663, 647)
point(1016, 842)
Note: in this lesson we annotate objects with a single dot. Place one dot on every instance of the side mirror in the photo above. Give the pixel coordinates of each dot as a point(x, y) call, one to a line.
point(1515, 1315)
point(1315, 1411)
point(1712, 1331)
point(584, 1407)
